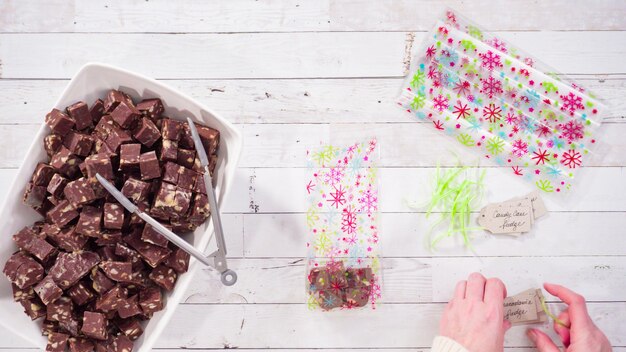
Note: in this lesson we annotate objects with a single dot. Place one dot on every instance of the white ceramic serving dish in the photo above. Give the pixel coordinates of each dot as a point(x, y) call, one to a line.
point(91, 82)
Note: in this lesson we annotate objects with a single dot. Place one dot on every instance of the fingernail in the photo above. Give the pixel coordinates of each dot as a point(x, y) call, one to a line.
point(532, 334)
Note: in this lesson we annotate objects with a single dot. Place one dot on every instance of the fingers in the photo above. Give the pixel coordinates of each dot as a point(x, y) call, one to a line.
point(542, 341)
point(577, 308)
point(475, 287)
point(459, 291)
point(495, 291)
point(506, 325)
point(562, 331)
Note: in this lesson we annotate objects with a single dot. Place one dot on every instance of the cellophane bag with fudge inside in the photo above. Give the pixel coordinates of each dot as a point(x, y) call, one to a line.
point(89, 271)
point(343, 268)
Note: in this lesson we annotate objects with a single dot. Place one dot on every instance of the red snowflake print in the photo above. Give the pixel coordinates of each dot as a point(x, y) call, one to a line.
point(571, 103)
point(541, 157)
point(571, 159)
point(491, 87)
point(517, 170)
point(520, 148)
point(462, 88)
point(430, 52)
point(572, 130)
point(511, 119)
point(433, 73)
point(544, 131)
point(440, 103)
point(438, 125)
point(348, 220)
point(492, 113)
point(461, 110)
point(309, 187)
point(338, 197)
point(490, 60)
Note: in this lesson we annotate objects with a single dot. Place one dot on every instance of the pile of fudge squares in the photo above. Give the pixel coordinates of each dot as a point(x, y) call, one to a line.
point(332, 286)
point(92, 270)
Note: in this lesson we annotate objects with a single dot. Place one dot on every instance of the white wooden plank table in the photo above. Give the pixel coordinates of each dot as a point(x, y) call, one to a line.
point(293, 73)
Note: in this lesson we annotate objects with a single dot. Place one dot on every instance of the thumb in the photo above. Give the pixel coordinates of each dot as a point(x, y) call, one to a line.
point(542, 341)
point(506, 325)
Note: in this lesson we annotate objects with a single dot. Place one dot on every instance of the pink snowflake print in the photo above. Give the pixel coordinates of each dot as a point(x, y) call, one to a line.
point(510, 118)
point(462, 88)
point(490, 60)
point(492, 113)
point(571, 159)
point(498, 44)
point(369, 201)
point(430, 52)
point(517, 170)
point(571, 103)
point(309, 187)
point(529, 61)
point(440, 103)
point(348, 220)
point(572, 130)
point(461, 110)
point(333, 176)
point(338, 197)
point(543, 131)
point(491, 87)
point(541, 157)
point(438, 125)
point(520, 148)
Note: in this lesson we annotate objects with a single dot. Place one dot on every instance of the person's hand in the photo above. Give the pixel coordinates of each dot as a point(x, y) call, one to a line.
point(581, 335)
point(475, 316)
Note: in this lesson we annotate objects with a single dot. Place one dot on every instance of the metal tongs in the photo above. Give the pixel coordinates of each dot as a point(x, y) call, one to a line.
point(215, 260)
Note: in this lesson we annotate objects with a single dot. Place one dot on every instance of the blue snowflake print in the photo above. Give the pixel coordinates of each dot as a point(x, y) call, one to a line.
point(554, 171)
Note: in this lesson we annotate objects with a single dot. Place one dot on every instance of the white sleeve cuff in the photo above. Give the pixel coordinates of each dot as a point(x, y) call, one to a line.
point(446, 344)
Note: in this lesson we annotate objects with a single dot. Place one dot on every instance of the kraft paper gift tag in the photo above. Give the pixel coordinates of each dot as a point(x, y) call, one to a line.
point(525, 308)
point(506, 219)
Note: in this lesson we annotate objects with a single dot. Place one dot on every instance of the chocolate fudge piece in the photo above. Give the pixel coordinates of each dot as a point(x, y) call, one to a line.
point(96, 111)
point(129, 307)
point(107, 250)
point(319, 279)
point(149, 166)
point(164, 201)
point(359, 277)
point(200, 209)
point(210, 138)
point(42, 175)
point(89, 221)
point(79, 112)
point(113, 216)
point(117, 271)
point(113, 99)
point(65, 163)
point(68, 239)
point(52, 143)
point(329, 300)
point(57, 185)
point(59, 310)
point(78, 143)
point(34, 196)
point(182, 225)
point(104, 127)
point(186, 138)
point(79, 192)
point(59, 122)
point(151, 108)
point(169, 150)
point(153, 255)
point(94, 325)
point(117, 137)
point(57, 342)
point(28, 239)
point(164, 277)
point(146, 132)
point(186, 157)
point(78, 344)
point(171, 172)
point(71, 267)
point(171, 129)
point(47, 290)
point(125, 114)
point(112, 299)
point(128, 254)
point(178, 260)
point(20, 294)
point(100, 282)
point(151, 235)
point(99, 164)
point(129, 156)
point(136, 190)
point(182, 201)
point(150, 300)
point(62, 213)
point(34, 308)
point(131, 328)
point(120, 343)
point(22, 270)
point(80, 293)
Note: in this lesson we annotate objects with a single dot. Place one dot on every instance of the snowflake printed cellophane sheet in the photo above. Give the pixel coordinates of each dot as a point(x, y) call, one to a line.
point(503, 104)
point(342, 214)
